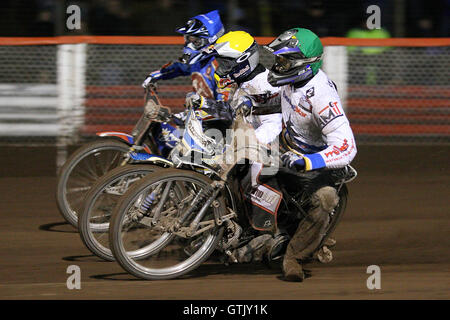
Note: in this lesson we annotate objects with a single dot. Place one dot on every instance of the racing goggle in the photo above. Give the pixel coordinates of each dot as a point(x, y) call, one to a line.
point(226, 65)
point(283, 64)
point(197, 42)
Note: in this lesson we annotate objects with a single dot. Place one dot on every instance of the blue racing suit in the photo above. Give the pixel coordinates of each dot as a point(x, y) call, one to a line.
point(202, 74)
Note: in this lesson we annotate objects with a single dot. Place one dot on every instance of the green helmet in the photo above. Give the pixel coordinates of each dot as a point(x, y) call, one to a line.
point(298, 56)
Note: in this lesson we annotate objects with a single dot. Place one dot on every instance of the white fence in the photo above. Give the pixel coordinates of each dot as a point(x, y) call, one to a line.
point(29, 110)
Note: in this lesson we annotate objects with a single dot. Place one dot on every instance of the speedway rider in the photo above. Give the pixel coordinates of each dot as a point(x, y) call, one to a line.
point(243, 80)
point(317, 137)
point(199, 32)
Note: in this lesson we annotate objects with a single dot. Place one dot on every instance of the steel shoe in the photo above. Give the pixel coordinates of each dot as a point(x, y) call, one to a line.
point(324, 255)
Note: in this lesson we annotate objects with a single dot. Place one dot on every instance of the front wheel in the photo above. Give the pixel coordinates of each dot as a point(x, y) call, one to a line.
point(143, 236)
point(81, 170)
point(93, 222)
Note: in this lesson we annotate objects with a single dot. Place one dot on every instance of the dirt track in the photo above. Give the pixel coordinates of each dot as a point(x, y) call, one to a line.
point(397, 218)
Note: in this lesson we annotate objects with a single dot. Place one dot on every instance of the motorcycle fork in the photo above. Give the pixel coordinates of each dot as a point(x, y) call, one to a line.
point(161, 203)
point(211, 192)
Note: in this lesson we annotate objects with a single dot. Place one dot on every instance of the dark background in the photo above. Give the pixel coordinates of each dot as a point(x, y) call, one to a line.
point(401, 18)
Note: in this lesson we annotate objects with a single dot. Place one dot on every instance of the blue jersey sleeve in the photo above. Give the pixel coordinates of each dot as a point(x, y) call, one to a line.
point(172, 70)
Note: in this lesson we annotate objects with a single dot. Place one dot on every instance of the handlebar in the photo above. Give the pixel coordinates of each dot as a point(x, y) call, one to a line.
point(153, 107)
point(151, 91)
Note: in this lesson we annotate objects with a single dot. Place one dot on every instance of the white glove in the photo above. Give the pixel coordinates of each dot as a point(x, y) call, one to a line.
point(180, 117)
point(151, 79)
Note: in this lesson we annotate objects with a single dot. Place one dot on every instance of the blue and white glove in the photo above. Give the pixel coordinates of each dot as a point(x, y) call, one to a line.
point(151, 79)
point(245, 105)
point(292, 160)
point(193, 99)
point(179, 118)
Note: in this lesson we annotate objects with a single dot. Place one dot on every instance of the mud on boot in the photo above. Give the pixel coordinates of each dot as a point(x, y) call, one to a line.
point(293, 270)
point(253, 251)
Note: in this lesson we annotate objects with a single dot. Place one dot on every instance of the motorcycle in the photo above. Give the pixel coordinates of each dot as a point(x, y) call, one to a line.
point(171, 221)
point(112, 149)
point(103, 195)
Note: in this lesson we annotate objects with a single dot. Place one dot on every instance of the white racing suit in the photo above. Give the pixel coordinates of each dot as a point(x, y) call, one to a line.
point(317, 128)
point(262, 212)
point(260, 93)
point(316, 125)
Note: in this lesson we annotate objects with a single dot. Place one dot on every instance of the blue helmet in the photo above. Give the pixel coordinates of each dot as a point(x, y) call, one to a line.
point(199, 32)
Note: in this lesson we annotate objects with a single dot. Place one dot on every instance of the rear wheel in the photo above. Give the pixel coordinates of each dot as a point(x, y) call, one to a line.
point(93, 222)
point(81, 170)
point(169, 252)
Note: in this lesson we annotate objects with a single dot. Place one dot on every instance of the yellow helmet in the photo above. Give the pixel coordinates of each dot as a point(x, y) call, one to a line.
point(237, 55)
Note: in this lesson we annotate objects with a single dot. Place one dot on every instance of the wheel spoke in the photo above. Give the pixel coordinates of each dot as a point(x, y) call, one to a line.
point(87, 166)
point(150, 246)
point(78, 189)
point(101, 208)
point(81, 175)
point(85, 173)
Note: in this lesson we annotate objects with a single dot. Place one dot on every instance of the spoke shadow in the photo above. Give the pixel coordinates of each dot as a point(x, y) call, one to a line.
point(58, 227)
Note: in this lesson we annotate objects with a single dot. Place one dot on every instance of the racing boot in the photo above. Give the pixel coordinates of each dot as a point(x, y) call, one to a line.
point(254, 251)
point(292, 268)
point(324, 255)
point(278, 245)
